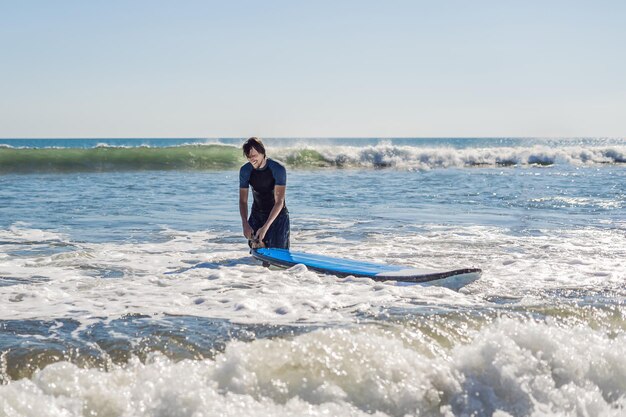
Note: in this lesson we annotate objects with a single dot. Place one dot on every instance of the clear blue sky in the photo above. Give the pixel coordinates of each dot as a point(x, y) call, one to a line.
point(319, 68)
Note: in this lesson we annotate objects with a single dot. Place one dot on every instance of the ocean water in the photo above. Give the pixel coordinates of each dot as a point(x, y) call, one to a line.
point(126, 287)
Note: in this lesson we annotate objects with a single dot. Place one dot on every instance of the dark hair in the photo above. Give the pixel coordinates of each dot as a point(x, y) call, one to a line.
point(255, 143)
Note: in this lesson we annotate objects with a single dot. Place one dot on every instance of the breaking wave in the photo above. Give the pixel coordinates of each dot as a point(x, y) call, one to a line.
point(408, 157)
point(220, 157)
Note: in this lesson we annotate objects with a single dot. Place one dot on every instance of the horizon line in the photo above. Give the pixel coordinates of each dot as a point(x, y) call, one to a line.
point(306, 137)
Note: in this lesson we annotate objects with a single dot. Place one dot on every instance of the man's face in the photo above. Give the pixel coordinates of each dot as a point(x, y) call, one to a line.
point(255, 158)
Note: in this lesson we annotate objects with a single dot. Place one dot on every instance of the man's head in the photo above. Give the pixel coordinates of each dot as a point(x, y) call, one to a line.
point(254, 150)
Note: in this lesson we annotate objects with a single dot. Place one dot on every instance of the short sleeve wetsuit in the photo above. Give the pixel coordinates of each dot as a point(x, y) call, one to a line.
point(263, 182)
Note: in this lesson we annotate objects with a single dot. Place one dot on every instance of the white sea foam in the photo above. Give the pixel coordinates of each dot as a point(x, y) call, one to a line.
point(21, 233)
point(208, 274)
point(557, 201)
point(457, 362)
point(409, 157)
point(227, 282)
point(506, 368)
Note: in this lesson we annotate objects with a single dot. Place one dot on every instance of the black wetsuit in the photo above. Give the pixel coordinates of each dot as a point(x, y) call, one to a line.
point(263, 182)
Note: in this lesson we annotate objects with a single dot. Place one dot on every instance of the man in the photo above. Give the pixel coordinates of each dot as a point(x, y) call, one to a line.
point(268, 225)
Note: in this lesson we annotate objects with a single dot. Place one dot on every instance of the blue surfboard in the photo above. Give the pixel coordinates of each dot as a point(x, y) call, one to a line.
point(284, 258)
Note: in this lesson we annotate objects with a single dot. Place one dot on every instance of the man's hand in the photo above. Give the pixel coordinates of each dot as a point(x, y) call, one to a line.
point(260, 234)
point(247, 231)
point(255, 244)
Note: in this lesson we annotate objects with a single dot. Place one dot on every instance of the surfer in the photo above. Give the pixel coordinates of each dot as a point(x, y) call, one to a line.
point(268, 224)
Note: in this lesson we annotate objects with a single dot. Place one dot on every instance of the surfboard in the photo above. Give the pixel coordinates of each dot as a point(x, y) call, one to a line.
point(340, 267)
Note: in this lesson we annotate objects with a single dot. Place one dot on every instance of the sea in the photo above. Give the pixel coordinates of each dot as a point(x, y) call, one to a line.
point(127, 287)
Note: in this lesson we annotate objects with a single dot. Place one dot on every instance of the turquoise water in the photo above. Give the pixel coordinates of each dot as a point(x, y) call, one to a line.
point(126, 288)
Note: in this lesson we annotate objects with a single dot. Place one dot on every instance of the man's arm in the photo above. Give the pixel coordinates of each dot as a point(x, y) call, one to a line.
point(243, 211)
point(279, 203)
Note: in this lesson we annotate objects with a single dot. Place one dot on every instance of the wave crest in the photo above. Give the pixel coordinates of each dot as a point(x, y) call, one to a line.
point(383, 155)
point(407, 157)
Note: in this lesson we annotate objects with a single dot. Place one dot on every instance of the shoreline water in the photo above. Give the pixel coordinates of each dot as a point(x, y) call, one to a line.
point(132, 292)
